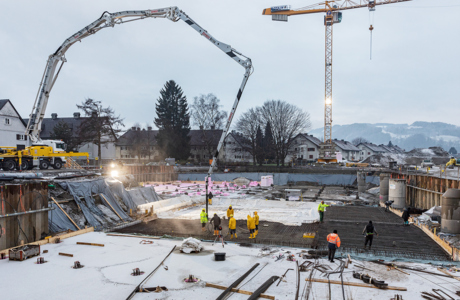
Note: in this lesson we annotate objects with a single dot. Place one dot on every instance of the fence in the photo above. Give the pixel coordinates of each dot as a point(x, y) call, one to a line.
point(23, 213)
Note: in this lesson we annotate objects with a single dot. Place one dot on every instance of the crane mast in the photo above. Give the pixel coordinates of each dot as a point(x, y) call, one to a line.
point(333, 14)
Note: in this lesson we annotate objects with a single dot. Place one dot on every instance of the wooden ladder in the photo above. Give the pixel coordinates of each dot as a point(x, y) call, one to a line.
point(72, 164)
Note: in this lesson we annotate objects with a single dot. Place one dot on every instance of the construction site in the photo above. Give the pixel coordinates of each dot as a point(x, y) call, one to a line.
point(385, 227)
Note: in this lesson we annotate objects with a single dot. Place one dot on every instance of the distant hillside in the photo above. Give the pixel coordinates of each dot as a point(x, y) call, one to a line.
point(408, 137)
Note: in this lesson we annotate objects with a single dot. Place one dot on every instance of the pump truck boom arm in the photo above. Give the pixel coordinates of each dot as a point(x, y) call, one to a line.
point(110, 20)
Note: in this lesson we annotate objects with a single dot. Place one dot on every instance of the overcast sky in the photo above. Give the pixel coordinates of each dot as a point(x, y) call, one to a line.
point(413, 75)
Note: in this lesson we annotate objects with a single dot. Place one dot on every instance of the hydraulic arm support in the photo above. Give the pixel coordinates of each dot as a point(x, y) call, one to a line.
point(110, 20)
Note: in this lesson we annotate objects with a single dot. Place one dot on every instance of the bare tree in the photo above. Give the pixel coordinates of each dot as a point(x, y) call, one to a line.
point(359, 140)
point(286, 121)
point(247, 124)
point(206, 112)
point(207, 115)
point(102, 126)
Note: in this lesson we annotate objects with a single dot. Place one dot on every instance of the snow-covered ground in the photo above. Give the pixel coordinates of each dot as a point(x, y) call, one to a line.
point(286, 212)
point(106, 273)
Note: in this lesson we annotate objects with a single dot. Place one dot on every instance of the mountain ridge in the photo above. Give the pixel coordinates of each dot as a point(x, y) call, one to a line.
point(419, 134)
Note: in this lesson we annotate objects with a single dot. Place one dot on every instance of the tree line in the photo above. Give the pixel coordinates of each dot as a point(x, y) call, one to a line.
point(267, 131)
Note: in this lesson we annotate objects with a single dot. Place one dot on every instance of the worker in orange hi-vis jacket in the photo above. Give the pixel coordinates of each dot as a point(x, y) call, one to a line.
point(333, 243)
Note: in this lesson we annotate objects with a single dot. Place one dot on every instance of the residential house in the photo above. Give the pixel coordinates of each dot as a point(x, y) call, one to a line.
point(349, 151)
point(236, 149)
point(141, 144)
point(369, 149)
point(203, 144)
point(12, 126)
point(48, 124)
point(137, 144)
point(304, 147)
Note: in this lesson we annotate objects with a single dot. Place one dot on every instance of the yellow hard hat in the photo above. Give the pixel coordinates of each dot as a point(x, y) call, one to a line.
point(231, 215)
point(203, 209)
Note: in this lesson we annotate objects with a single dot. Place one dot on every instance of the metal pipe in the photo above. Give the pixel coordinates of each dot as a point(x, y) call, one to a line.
point(21, 175)
point(27, 212)
point(422, 189)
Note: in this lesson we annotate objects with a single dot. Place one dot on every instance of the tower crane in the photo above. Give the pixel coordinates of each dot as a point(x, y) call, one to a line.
point(333, 14)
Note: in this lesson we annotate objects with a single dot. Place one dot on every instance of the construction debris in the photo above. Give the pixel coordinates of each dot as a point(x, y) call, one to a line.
point(368, 279)
point(191, 245)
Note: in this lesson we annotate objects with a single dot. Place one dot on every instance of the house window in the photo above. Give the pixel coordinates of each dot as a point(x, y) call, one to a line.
point(368, 153)
point(7, 121)
point(311, 149)
point(21, 137)
point(310, 156)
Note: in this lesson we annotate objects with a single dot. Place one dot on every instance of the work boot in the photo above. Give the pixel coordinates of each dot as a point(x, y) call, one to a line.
point(365, 247)
point(231, 237)
point(236, 236)
point(251, 236)
point(215, 232)
point(257, 232)
point(370, 247)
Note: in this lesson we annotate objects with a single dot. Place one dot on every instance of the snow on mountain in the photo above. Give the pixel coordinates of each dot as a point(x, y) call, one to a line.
point(407, 136)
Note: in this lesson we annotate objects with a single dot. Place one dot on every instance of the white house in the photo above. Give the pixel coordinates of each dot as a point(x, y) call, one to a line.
point(304, 147)
point(369, 149)
point(234, 149)
point(349, 151)
point(12, 126)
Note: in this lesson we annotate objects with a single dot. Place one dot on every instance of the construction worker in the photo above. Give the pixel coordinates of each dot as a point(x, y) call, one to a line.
point(321, 208)
point(230, 212)
point(251, 227)
point(203, 219)
point(333, 243)
point(216, 221)
point(369, 231)
point(256, 221)
point(210, 196)
point(232, 227)
point(406, 216)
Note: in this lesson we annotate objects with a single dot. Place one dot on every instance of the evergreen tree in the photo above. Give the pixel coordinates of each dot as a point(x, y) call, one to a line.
point(62, 131)
point(390, 144)
point(259, 146)
point(268, 143)
point(452, 151)
point(173, 122)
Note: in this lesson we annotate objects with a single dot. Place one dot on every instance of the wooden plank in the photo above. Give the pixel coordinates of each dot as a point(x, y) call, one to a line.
point(394, 288)
point(448, 273)
point(52, 240)
point(135, 236)
point(66, 214)
point(65, 254)
point(234, 290)
point(90, 244)
point(111, 206)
